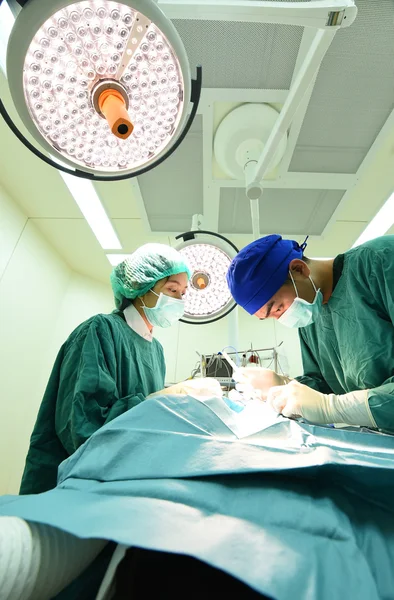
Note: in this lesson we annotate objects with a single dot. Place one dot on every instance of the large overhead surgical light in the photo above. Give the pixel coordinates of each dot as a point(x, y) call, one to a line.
point(208, 297)
point(102, 86)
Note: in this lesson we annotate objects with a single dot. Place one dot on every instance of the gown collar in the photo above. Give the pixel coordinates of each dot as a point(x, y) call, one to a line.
point(137, 323)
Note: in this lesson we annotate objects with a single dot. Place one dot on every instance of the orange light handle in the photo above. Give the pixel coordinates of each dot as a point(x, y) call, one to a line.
point(201, 283)
point(113, 107)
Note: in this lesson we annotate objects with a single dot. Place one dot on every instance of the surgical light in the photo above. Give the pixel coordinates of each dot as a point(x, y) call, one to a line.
point(103, 86)
point(208, 297)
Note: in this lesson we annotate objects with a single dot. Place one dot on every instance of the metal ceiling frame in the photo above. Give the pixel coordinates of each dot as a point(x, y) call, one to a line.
point(319, 30)
point(325, 18)
point(319, 14)
point(255, 11)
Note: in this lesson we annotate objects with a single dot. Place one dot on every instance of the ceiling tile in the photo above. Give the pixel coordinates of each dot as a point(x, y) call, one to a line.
point(228, 62)
point(173, 191)
point(353, 95)
point(288, 211)
point(117, 198)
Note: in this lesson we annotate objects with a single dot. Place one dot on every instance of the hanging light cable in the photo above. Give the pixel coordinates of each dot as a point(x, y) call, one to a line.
point(102, 86)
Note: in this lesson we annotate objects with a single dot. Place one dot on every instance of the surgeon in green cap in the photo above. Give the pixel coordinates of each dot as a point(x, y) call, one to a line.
point(110, 363)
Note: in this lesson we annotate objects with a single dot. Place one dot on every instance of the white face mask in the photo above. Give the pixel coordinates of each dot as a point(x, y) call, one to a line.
point(166, 312)
point(302, 313)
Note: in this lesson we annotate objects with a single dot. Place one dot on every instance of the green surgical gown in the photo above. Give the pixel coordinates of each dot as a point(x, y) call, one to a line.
point(351, 344)
point(102, 370)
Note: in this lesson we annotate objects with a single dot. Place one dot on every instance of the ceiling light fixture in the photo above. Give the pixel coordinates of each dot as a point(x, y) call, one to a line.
point(239, 141)
point(208, 297)
point(103, 86)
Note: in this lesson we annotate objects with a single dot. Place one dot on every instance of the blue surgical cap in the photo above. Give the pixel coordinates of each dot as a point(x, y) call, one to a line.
point(260, 269)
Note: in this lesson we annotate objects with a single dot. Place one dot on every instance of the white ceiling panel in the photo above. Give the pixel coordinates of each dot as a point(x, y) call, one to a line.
point(315, 159)
point(173, 191)
point(285, 211)
point(118, 200)
point(228, 50)
point(76, 244)
point(132, 234)
point(35, 186)
point(74, 241)
point(353, 95)
point(244, 62)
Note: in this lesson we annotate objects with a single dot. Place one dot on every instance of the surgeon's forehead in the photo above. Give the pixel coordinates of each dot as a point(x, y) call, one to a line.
point(265, 310)
point(262, 312)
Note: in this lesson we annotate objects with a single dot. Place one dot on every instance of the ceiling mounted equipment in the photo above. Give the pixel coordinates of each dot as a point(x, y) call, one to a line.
point(103, 87)
point(208, 297)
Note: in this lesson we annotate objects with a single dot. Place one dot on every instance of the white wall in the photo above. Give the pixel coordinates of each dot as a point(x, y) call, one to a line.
point(33, 282)
point(83, 299)
point(41, 301)
point(12, 223)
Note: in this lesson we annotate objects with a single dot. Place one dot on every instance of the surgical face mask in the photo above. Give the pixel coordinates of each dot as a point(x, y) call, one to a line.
point(166, 312)
point(302, 313)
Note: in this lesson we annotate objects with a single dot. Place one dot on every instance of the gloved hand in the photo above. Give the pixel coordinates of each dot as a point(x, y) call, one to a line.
point(197, 388)
point(259, 379)
point(298, 400)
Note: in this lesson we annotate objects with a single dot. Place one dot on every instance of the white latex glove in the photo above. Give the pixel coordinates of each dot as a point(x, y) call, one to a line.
point(259, 378)
point(197, 388)
point(298, 400)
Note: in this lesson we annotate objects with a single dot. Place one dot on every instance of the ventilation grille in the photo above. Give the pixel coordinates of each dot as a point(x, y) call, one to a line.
point(285, 211)
point(173, 191)
point(241, 55)
point(353, 95)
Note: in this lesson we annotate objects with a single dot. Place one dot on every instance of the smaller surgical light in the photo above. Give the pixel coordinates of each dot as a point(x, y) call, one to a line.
point(208, 297)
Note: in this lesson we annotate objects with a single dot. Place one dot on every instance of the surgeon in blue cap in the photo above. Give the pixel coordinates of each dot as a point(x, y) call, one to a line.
point(344, 311)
